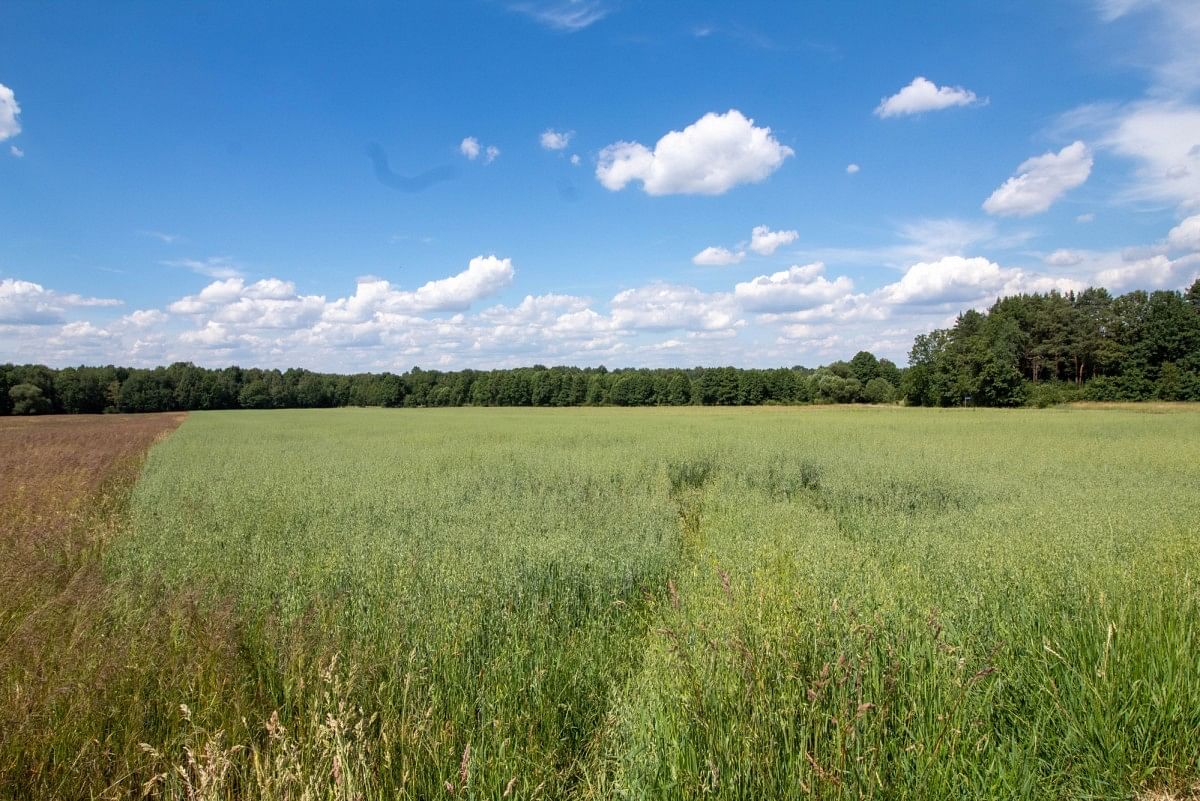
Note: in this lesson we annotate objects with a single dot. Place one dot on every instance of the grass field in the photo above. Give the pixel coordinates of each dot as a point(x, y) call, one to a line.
point(656, 603)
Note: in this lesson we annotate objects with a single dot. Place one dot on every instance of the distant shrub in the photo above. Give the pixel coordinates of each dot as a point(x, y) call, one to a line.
point(879, 390)
point(1051, 393)
point(28, 399)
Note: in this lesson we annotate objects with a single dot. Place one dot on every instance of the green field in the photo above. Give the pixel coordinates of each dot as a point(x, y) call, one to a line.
point(675, 603)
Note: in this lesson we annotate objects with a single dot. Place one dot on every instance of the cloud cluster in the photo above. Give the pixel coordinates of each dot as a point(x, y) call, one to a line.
point(763, 241)
point(959, 280)
point(1186, 235)
point(1040, 181)
point(924, 95)
point(10, 126)
point(708, 157)
point(555, 140)
point(471, 148)
point(714, 256)
point(793, 289)
point(27, 303)
point(794, 315)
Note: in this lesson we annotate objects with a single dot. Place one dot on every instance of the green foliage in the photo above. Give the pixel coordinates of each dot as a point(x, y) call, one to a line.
point(1139, 346)
point(28, 399)
point(879, 390)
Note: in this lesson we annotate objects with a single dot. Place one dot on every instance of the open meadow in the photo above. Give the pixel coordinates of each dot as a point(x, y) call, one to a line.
point(776, 602)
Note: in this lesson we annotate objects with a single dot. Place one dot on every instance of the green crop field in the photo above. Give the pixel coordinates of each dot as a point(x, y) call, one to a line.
point(665, 603)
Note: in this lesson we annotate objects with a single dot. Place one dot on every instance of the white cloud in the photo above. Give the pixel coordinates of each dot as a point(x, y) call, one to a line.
point(1063, 258)
point(665, 306)
point(1040, 181)
point(16, 152)
point(484, 276)
point(274, 303)
point(27, 303)
point(793, 289)
point(1086, 217)
point(1164, 139)
point(924, 95)
point(82, 329)
point(717, 257)
point(563, 15)
point(765, 242)
point(490, 154)
point(1186, 235)
point(555, 140)
point(1154, 272)
point(575, 160)
point(212, 267)
point(10, 126)
point(852, 169)
point(212, 335)
point(469, 147)
point(959, 280)
point(144, 318)
point(708, 157)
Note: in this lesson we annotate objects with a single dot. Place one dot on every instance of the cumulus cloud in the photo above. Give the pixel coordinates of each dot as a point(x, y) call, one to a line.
point(765, 242)
point(490, 153)
point(575, 160)
point(1153, 272)
point(484, 276)
point(1040, 181)
point(665, 306)
point(16, 152)
point(1186, 235)
point(708, 157)
point(10, 126)
point(959, 280)
point(1064, 258)
point(28, 303)
point(144, 318)
point(852, 169)
point(798, 287)
point(469, 147)
point(924, 95)
point(274, 304)
point(555, 140)
point(717, 257)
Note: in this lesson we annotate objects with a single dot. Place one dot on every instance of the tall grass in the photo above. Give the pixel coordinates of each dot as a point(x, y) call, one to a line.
point(767, 603)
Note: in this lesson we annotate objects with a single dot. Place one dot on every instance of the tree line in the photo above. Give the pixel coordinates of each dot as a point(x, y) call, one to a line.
point(1026, 349)
point(36, 389)
point(1048, 348)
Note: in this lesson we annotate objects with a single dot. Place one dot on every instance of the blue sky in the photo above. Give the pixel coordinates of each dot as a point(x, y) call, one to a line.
point(468, 184)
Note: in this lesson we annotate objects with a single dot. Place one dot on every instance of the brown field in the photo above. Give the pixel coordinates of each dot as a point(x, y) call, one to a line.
point(1146, 407)
point(63, 481)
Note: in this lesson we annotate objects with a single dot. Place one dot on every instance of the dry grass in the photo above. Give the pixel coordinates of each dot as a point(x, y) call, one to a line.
point(1149, 407)
point(1165, 795)
point(63, 485)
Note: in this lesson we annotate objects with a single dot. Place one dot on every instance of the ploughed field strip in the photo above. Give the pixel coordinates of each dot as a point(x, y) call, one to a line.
point(654, 603)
